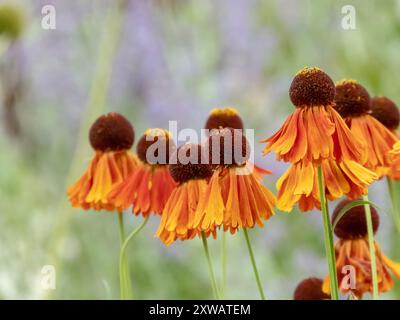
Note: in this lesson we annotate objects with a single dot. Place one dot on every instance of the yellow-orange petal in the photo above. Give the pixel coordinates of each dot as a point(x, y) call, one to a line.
point(346, 146)
point(299, 184)
point(235, 198)
point(377, 141)
point(394, 155)
point(313, 134)
point(210, 210)
point(146, 189)
point(258, 171)
point(177, 218)
point(106, 170)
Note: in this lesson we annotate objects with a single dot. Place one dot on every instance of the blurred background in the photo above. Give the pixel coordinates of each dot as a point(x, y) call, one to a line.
point(155, 61)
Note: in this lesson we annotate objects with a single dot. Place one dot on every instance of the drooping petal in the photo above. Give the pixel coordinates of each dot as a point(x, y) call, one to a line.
point(106, 170)
point(210, 211)
point(146, 189)
point(313, 134)
point(178, 216)
point(377, 141)
point(346, 146)
point(300, 184)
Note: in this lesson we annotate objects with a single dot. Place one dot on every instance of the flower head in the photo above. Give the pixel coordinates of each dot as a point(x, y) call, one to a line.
point(351, 99)
point(314, 131)
point(354, 105)
point(311, 87)
point(353, 224)
point(149, 186)
point(227, 146)
point(316, 135)
point(111, 132)
point(235, 197)
point(386, 112)
point(155, 147)
point(190, 164)
point(111, 136)
point(228, 118)
point(352, 249)
point(310, 289)
point(191, 175)
point(224, 118)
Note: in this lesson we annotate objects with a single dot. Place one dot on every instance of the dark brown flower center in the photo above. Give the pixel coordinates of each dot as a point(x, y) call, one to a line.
point(353, 224)
point(351, 99)
point(155, 146)
point(386, 112)
point(312, 87)
point(310, 289)
point(224, 118)
point(227, 146)
point(111, 132)
point(190, 164)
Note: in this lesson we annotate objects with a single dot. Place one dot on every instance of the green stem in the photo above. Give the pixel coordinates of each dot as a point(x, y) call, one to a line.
point(121, 238)
point(126, 288)
point(223, 263)
point(395, 210)
point(371, 244)
point(123, 268)
point(121, 227)
point(329, 248)
point(210, 267)
point(253, 262)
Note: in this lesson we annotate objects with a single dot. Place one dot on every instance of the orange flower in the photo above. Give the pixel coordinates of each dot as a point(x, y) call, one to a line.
point(150, 184)
point(234, 198)
point(111, 136)
point(315, 134)
point(387, 113)
point(354, 105)
point(177, 218)
point(353, 250)
point(315, 131)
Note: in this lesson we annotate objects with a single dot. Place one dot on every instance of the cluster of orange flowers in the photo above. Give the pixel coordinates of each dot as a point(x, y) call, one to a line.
point(338, 128)
point(192, 197)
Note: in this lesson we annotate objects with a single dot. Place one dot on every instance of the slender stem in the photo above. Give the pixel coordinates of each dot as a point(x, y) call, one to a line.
point(395, 210)
point(210, 267)
point(371, 244)
point(122, 267)
point(329, 248)
point(223, 263)
point(126, 288)
point(125, 278)
point(253, 262)
point(121, 227)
